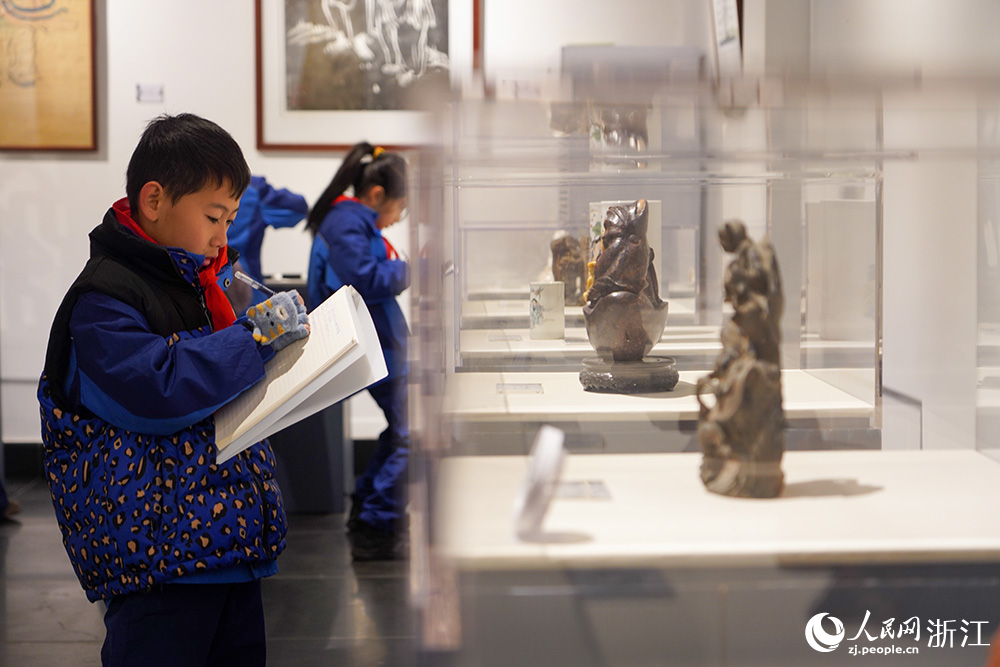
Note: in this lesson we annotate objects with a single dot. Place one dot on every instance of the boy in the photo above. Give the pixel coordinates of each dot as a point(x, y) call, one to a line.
point(140, 355)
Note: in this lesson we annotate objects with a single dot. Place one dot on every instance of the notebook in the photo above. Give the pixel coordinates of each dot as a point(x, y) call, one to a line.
point(340, 357)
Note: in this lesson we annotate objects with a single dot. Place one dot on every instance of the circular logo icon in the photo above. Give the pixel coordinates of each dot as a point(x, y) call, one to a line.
point(818, 638)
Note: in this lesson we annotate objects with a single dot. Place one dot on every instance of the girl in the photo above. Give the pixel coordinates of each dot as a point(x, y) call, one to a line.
point(349, 249)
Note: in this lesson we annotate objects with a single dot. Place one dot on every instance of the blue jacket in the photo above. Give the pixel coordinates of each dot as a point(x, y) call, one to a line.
point(133, 373)
point(349, 250)
point(262, 206)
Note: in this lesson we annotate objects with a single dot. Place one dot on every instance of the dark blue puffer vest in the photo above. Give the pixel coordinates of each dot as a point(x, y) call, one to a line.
point(136, 510)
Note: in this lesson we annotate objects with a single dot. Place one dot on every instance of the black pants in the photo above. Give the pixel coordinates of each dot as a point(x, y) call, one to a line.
point(186, 624)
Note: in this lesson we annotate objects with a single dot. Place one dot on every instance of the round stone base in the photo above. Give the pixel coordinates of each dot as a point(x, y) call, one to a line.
point(651, 375)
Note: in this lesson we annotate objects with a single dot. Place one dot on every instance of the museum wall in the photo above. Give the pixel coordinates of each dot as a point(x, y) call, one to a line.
point(529, 35)
point(889, 37)
point(48, 202)
point(203, 54)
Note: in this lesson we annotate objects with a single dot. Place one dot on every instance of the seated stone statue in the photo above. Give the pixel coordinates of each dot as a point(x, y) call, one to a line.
point(624, 313)
point(569, 266)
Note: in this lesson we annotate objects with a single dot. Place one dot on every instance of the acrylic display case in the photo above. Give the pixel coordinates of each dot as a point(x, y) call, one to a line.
point(637, 563)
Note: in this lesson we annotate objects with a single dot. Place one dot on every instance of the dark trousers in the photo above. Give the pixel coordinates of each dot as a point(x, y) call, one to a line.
point(186, 624)
point(381, 490)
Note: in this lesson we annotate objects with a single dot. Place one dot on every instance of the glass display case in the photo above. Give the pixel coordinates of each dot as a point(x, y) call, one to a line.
point(514, 183)
point(636, 563)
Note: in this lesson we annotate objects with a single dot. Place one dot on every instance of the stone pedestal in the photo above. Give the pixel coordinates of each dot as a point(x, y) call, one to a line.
point(647, 376)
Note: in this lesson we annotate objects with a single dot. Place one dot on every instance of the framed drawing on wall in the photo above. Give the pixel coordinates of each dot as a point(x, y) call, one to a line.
point(47, 84)
point(331, 73)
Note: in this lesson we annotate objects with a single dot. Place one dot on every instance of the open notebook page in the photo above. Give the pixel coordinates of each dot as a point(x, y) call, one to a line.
point(291, 371)
point(358, 368)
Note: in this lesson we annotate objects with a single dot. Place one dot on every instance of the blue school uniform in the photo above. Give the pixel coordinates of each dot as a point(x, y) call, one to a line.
point(133, 372)
point(262, 206)
point(349, 249)
point(131, 380)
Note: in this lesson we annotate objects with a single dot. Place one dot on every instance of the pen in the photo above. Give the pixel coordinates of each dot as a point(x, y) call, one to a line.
point(264, 289)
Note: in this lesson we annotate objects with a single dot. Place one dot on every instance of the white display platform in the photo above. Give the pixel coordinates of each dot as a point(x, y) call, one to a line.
point(494, 294)
point(838, 508)
point(499, 413)
point(495, 396)
point(506, 313)
point(513, 313)
point(693, 346)
point(504, 348)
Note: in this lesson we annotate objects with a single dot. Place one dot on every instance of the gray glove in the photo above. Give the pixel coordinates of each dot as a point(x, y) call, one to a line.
point(280, 320)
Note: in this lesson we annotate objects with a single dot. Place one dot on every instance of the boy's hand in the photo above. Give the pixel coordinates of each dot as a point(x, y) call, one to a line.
point(280, 320)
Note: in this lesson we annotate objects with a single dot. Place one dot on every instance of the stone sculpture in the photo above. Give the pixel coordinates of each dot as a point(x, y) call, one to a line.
point(569, 266)
point(624, 313)
point(742, 434)
point(623, 126)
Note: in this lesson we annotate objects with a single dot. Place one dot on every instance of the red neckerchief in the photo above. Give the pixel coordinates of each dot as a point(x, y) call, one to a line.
point(215, 298)
point(389, 250)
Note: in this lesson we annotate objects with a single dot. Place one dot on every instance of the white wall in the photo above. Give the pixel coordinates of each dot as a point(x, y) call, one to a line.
point(929, 38)
point(529, 35)
point(930, 203)
point(203, 54)
point(871, 37)
point(929, 305)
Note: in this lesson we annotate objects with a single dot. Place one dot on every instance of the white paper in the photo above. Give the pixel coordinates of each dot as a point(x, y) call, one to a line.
point(306, 376)
point(362, 366)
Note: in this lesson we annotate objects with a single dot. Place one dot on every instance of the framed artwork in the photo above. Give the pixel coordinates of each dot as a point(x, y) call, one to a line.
point(331, 73)
point(47, 84)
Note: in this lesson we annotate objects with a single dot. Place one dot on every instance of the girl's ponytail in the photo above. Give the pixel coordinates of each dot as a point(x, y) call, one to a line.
point(348, 174)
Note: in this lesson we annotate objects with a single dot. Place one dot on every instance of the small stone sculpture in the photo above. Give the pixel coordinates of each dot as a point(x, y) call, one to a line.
point(623, 126)
point(742, 435)
point(624, 314)
point(569, 266)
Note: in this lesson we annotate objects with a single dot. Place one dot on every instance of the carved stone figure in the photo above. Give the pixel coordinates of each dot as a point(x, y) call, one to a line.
point(742, 434)
point(624, 313)
point(569, 266)
point(623, 126)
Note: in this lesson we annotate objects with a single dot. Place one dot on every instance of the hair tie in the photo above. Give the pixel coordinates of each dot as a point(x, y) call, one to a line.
point(378, 150)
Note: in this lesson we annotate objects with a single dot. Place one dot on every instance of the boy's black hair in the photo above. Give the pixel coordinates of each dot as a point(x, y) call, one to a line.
point(184, 153)
point(364, 167)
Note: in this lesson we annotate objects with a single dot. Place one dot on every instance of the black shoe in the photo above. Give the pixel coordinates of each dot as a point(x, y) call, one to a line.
point(354, 522)
point(7, 514)
point(368, 544)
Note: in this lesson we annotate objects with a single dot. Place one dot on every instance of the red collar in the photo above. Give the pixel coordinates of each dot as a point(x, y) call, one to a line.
point(208, 276)
point(123, 214)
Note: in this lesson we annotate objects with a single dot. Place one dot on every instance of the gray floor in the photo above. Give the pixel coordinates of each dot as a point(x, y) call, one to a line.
point(320, 609)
